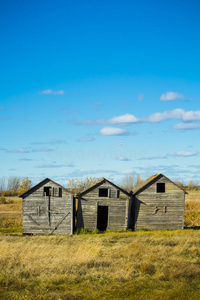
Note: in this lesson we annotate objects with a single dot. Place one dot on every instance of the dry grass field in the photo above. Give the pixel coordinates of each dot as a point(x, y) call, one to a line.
point(126, 265)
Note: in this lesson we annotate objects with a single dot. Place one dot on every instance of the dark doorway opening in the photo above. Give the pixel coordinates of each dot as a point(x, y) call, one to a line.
point(47, 191)
point(102, 218)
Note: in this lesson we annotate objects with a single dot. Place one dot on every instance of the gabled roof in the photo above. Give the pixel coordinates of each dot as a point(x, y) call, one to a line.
point(151, 179)
point(41, 183)
point(99, 183)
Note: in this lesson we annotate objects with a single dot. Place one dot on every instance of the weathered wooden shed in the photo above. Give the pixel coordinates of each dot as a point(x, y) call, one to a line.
point(103, 206)
point(157, 203)
point(47, 208)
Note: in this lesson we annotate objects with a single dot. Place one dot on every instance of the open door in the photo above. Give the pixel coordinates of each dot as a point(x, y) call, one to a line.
point(102, 218)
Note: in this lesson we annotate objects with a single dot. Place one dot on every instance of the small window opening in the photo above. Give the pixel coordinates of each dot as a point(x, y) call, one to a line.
point(165, 209)
point(160, 187)
point(60, 192)
point(103, 192)
point(47, 191)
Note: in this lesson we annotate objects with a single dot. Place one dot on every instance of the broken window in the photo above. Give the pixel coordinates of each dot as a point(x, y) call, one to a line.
point(47, 191)
point(57, 192)
point(103, 192)
point(114, 193)
point(160, 187)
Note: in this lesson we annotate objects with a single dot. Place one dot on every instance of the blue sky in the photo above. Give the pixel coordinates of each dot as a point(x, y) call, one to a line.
point(99, 88)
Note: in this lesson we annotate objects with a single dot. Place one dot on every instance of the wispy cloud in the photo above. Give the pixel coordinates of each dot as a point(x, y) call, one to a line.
point(54, 166)
point(140, 97)
point(52, 142)
point(186, 126)
point(51, 92)
point(184, 153)
point(113, 131)
point(123, 158)
point(83, 172)
point(90, 122)
point(98, 103)
point(26, 159)
point(1, 108)
point(19, 150)
point(86, 139)
point(153, 157)
point(171, 154)
point(4, 118)
point(42, 150)
point(68, 111)
point(170, 96)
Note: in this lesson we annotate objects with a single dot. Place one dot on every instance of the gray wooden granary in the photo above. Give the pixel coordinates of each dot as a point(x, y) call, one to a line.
point(103, 206)
point(48, 208)
point(157, 203)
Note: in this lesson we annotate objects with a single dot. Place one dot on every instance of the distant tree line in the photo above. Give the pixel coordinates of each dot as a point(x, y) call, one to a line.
point(191, 185)
point(14, 186)
point(128, 183)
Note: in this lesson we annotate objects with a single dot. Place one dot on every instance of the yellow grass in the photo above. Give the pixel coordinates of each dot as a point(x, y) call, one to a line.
point(142, 265)
point(131, 265)
point(192, 208)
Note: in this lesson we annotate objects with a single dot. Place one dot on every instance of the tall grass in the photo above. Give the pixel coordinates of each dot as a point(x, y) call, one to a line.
point(131, 265)
point(142, 265)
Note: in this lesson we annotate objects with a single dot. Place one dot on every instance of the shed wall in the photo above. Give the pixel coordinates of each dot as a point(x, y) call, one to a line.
point(117, 209)
point(155, 211)
point(38, 218)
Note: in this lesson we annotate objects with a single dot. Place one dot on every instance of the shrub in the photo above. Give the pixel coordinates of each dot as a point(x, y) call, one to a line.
point(82, 231)
point(96, 231)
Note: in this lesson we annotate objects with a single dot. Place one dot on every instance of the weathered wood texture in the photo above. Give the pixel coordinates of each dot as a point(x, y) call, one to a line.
point(46, 214)
point(154, 211)
point(117, 203)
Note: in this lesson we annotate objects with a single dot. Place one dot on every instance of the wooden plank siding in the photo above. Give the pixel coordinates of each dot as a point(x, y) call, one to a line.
point(89, 202)
point(154, 211)
point(41, 214)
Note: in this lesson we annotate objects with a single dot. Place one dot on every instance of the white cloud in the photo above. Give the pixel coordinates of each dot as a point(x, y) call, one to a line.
point(186, 126)
point(169, 96)
point(184, 153)
point(113, 131)
point(51, 92)
point(177, 113)
point(125, 119)
point(191, 115)
point(157, 117)
point(123, 158)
